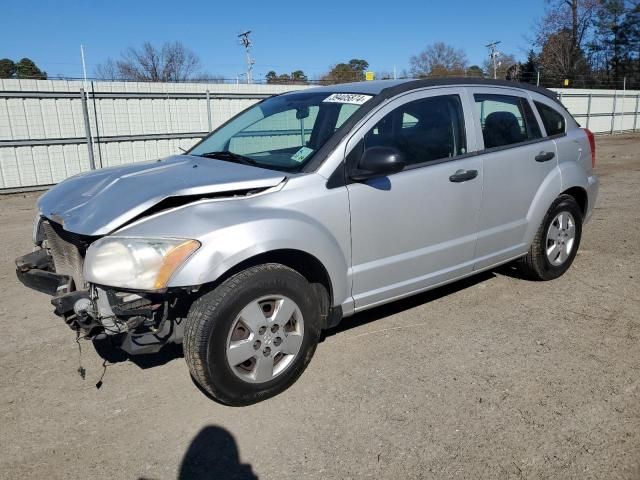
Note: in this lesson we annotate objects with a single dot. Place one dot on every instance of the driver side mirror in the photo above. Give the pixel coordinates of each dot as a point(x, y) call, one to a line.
point(378, 162)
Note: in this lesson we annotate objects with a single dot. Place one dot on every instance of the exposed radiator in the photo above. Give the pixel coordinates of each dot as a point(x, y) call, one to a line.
point(67, 257)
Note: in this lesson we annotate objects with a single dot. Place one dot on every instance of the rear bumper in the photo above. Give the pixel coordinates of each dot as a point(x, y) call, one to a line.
point(593, 185)
point(34, 270)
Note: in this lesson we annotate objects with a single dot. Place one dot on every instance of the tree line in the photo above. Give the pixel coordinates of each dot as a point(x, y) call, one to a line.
point(588, 42)
point(583, 42)
point(24, 68)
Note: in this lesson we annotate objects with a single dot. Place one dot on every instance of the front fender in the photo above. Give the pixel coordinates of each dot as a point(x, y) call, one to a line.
point(232, 231)
point(227, 247)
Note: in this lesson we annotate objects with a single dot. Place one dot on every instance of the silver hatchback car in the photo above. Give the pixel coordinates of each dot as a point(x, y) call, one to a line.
point(307, 208)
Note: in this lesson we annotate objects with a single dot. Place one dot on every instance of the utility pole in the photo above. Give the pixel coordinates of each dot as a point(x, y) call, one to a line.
point(84, 70)
point(493, 55)
point(245, 41)
point(84, 92)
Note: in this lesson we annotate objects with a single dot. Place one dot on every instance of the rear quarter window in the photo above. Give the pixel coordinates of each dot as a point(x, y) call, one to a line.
point(552, 120)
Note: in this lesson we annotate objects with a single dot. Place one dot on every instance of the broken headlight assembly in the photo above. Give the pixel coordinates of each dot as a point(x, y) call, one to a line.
point(136, 263)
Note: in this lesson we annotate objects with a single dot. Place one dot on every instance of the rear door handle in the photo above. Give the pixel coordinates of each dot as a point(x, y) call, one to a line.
point(463, 176)
point(545, 156)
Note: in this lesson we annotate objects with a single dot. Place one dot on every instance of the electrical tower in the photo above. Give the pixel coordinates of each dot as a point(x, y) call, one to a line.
point(245, 41)
point(493, 56)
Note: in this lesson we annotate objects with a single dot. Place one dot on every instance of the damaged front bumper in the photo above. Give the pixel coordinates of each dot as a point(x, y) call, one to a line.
point(34, 270)
point(136, 322)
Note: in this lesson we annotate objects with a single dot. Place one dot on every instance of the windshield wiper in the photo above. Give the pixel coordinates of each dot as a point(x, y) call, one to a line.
point(229, 156)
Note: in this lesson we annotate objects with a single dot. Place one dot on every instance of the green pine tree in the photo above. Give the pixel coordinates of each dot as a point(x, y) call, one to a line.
point(7, 68)
point(26, 68)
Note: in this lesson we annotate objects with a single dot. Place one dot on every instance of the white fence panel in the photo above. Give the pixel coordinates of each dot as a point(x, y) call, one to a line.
point(602, 110)
point(43, 136)
point(42, 129)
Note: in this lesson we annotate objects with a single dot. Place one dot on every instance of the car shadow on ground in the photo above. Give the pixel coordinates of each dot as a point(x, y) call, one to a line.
point(408, 303)
point(167, 354)
point(213, 455)
point(172, 352)
point(511, 270)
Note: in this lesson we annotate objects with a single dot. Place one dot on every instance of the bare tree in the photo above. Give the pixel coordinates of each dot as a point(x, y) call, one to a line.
point(558, 58)
point(209, 78)
point(562, 34)
point(172, 62)
point(438, 59)
point(505, 67)
point(384, 75)
point(107, 71)
point(574, 16)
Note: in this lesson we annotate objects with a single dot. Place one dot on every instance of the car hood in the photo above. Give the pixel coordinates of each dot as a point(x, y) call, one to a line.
point(100, 201)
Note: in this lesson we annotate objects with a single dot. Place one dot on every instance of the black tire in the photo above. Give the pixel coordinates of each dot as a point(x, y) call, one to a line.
point(535, 265)
point(212, 316)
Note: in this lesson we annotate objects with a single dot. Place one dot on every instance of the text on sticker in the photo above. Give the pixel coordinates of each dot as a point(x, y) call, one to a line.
point(354, 98)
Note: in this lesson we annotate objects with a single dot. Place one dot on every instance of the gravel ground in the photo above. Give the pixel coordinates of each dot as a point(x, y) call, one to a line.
point(493, 377)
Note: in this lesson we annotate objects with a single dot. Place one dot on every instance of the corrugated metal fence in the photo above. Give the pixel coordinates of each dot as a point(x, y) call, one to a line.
point(603, 111)
point(50, 130)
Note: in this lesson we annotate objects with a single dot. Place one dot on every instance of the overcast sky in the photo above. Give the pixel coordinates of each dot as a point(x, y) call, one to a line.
point(307, 35)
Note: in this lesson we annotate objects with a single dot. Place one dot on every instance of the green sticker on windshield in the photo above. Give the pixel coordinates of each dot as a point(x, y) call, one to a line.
point(301, 154)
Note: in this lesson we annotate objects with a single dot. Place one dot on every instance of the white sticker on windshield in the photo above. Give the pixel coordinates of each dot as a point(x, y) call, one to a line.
point(354, 98)
point(301, 154)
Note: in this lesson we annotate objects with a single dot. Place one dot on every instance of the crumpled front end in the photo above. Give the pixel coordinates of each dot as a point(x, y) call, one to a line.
point(136, 322)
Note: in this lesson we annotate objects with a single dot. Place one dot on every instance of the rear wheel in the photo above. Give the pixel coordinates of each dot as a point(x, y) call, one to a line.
point(252, 336)
point(556, 242)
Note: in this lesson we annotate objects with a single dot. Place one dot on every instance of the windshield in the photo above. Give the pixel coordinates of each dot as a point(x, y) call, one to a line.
point(282, 132)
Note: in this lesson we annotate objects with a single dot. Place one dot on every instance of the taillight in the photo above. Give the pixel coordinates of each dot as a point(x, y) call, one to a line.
point(592, 144)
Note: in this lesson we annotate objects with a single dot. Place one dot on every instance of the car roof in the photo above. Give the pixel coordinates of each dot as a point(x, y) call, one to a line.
point(371, 88)
point(393, 87)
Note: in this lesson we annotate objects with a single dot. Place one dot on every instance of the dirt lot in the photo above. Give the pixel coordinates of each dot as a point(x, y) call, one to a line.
point(494, 377)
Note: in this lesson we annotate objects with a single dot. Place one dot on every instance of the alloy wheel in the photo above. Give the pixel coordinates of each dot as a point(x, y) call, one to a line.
point(561, 237)
point(265, 338)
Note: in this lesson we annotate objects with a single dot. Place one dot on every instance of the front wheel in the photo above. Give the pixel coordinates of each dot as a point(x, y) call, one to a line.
point(252, 336)
point(556, 242)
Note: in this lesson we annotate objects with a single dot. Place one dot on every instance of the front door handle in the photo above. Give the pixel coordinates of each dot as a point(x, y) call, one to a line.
point(463, 176)
point(545, 156)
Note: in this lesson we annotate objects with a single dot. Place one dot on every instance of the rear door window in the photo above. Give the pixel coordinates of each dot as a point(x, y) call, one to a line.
point(506, 120)
point(553, 122)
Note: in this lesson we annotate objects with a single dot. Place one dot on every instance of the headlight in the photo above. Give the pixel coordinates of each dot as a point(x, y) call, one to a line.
point(137, 263)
